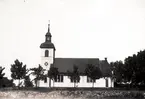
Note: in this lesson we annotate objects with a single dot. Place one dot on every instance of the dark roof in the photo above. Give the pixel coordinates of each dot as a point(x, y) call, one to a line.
point(106, 68)
point(48, 34)
point(47, 45)
point(65, 64)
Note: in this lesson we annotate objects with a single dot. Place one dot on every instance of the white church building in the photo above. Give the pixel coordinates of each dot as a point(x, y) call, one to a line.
point(66, 64)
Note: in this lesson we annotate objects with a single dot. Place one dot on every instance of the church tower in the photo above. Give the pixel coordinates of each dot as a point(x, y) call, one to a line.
point(47, 51)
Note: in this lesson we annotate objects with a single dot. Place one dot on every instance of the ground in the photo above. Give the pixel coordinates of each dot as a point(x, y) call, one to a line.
point(80, 93)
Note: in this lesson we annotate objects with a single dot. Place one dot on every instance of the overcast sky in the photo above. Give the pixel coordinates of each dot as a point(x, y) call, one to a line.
point(80, 28)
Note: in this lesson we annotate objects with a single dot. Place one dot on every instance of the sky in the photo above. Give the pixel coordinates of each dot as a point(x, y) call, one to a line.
point(80, 29)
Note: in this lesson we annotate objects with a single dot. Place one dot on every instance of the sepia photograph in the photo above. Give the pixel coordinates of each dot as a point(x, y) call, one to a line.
point(72, 49)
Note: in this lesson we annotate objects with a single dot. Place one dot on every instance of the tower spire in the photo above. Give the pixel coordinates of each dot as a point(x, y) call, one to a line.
point(48, 34)
point(48, 26)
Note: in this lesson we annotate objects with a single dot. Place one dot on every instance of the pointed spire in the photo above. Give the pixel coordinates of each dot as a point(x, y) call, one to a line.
point(48, 34)
point(48, 26)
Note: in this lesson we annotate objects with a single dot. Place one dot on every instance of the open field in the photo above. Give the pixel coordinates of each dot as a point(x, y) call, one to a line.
point(71, 94)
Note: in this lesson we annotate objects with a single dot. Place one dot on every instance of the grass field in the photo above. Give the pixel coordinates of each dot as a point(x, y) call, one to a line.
point(71, 93)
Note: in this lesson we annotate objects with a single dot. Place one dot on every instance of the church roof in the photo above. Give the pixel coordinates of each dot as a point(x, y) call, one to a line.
point(66, 64)
point(47, 45)
point(48, 34)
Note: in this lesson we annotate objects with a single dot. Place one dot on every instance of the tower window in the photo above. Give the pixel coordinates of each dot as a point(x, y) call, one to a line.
point(46, 53)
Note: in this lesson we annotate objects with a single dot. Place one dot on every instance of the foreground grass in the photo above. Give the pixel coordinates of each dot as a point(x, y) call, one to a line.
point(71, 93)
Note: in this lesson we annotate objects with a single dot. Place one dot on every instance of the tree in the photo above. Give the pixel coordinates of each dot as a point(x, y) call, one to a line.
point(74, 75)
point(38, 73)
point(140, 67)
point(118, 71)
point(93, 72)
point(52, 74)
point(4, 81)
point(1, 76)
point(18, 70)
point(135, 68)
point(130, 66)
point(1, 72)
point(28, 82)
point(132, 71)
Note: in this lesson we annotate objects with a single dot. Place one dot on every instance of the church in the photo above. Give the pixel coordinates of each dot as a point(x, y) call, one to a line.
point(66, 64)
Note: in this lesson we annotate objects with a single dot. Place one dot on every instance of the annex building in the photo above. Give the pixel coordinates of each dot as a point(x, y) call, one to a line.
point(66, 64)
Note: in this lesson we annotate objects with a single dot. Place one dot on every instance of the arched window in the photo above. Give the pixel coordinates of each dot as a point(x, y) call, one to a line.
point(106, 82)
point(46, 53)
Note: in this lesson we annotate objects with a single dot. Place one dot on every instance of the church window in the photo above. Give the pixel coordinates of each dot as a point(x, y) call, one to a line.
point(45, 80)
point(78, 81)
point(55, 79)
point(46, 53)
point(106, 82)
point(74, 80)
point(89, 80)
point(71, 80)
point(59, 78)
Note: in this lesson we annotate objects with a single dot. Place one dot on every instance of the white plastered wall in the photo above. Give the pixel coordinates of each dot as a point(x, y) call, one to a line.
point(49, 59)
point(83, 83)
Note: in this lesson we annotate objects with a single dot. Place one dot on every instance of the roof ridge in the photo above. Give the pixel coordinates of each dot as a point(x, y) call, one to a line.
point(74, 58)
